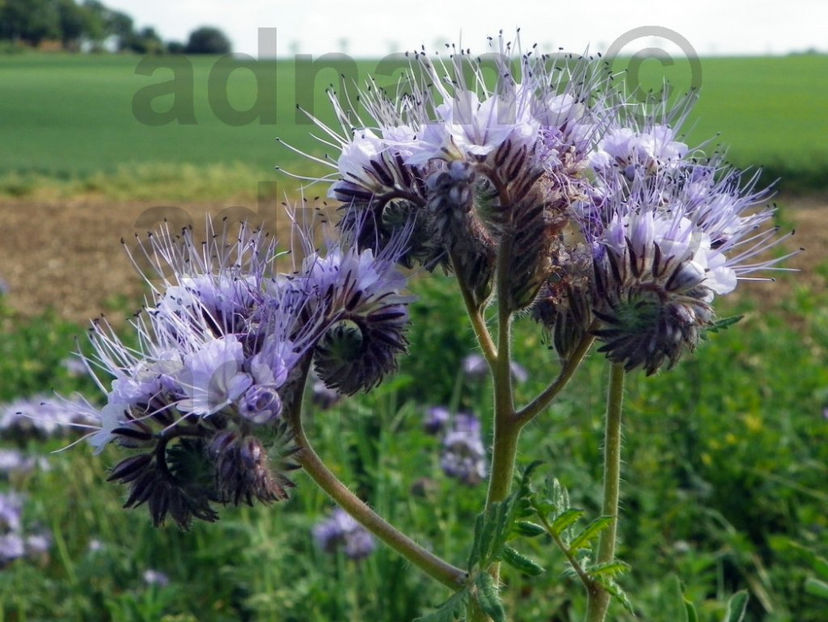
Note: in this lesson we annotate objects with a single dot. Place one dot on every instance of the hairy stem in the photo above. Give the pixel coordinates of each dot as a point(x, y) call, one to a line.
point(481, 331)
point(531, 410)
point(426, 561)
point(597, 598)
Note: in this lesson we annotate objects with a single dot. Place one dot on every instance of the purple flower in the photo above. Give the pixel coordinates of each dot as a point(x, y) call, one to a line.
point(436, 419)
point(464, 456)
point(15, 462)
point(43, 415)
point(475, 367)
point(155, 578)
point(223, 349)
point(341, 530)
point(11, 547)
point(11, 511)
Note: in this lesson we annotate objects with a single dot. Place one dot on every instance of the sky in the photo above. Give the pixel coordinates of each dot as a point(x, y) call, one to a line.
point(374, 28)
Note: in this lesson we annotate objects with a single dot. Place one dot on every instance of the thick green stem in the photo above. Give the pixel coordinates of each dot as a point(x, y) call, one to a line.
point(598, 598)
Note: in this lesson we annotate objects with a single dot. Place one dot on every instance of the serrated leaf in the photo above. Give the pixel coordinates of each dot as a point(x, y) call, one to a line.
point(590, 532)
point(520, 562)
point(815, 587)
point(736, 607)
point(609, 569)
point(566, 519)
point(474, 553)
point(449, 610)
point(488, 598)
point(528, 528)
point(616, 592)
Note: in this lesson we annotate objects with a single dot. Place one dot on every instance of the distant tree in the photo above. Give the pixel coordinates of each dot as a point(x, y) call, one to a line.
point(175, 47)
point(208, 40)
point(73, 21)
point(29, 20)
point(146, 41)
point(120, 26)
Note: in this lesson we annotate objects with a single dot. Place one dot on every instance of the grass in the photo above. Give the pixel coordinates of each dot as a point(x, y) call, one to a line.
point(69, 123)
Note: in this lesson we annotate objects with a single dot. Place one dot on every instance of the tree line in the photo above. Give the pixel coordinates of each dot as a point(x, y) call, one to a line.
point(90, 24)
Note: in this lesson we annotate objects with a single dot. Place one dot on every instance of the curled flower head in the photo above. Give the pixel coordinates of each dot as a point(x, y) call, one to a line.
point(476, 166)
point(670, 243)
point(224, 346)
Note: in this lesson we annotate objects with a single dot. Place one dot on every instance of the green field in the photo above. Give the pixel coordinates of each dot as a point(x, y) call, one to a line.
point(71, 117)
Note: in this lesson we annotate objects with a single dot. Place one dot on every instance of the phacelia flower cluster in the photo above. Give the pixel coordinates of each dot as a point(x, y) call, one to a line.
point(224, 347)
point(586, 207)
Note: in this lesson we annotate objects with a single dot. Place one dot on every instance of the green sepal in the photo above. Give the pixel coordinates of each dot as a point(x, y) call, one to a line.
point(520, 562)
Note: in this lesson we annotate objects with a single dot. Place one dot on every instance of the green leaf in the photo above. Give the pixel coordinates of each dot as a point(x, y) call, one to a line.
point(616, 592)
point(609, 569)
point(566, 519)
point(521, 562)
point(815, 587)
point(488, 598)
point(449, 610)
point(475, 554)
point(724, 323)
point(691, 612)
point(821, 566)
point(736, 607)
point(583, 539)
point(528, 528)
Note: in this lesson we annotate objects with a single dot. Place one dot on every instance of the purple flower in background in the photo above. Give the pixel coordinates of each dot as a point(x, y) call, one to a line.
point(436, 419)
point(11, 511)
point(464, 456)
point(12, 547)
point(324, 397)
point(155, 578)
point(43, 415)
point(38, 543)
point(477, 369)
point(13, 462)
point(341, 530)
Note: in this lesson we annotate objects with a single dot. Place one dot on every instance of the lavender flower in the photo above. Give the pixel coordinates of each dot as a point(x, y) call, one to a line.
point(223, 350)
point(520, 149)
point(669, 242)
point(464, 456)
point(42, 415)
point(155, 578)
point(11, 511)
point(477, 369)
point(436, 419)
point(341, 530)
point(12, 547)
point(14, 462)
